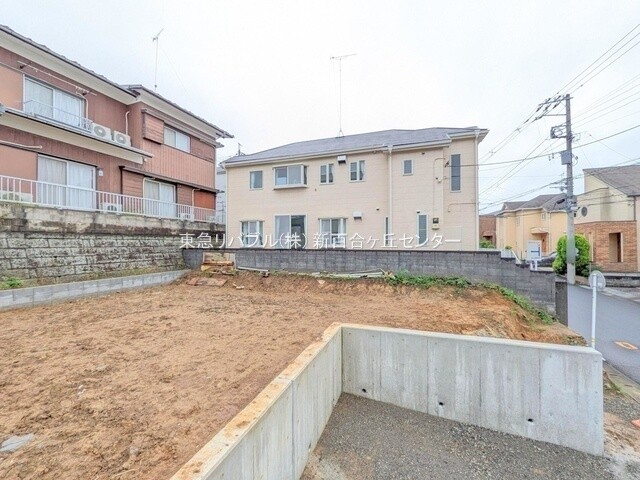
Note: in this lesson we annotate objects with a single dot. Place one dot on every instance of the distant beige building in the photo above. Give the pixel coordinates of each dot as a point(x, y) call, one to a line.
point(401, 189)
point(608, 214)
point(531, 228)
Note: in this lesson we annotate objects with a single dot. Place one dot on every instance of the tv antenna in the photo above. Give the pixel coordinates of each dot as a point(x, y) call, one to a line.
point(339, 58)
point(157, 40)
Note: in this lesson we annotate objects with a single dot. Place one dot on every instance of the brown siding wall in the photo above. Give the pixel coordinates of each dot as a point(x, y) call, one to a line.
point(204, 200)
point(598, 235)
point(152, 128)
point(15, 162)
point(202, 150)
point(132, 184)
point(185, 195)
point(488, 227)
point(11, 87)
point(173, 163)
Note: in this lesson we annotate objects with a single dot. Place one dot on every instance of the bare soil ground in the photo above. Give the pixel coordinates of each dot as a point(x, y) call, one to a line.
point(131, 385)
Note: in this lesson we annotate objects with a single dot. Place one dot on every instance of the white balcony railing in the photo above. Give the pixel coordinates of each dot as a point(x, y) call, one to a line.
point(20, 190)
point(38, 109)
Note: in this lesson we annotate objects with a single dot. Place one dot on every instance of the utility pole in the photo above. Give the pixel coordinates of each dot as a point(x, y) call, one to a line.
point(340, 58)
point(566, 158)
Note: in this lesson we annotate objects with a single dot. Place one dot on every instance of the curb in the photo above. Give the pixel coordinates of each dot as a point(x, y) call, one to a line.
point(628, 386)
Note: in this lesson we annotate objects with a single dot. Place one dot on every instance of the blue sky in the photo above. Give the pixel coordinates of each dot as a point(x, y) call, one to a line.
point(262, 70)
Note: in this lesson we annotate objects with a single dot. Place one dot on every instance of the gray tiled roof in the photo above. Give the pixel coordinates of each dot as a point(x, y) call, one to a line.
point(347, 143)
point(550, 203)
point(626, 178)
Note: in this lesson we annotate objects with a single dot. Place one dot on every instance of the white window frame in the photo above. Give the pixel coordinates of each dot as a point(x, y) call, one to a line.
point(280, 239)
point(178, 135)
point(329, 173)
point(156, 207)
point(330, 239)
point(404, 167)
point(426, 228)
point(359, 171)
point(251, 239)
point(458, 168)
point(252, 178)
point(57, 113)
point(288, 184)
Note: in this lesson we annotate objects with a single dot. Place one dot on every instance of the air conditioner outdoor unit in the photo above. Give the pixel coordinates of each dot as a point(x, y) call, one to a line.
point(101, 131)
point(111, 207)
point(185, 216)
point(121, 138)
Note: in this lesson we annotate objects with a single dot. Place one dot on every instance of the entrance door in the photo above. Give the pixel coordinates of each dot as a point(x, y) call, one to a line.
point(534, 249)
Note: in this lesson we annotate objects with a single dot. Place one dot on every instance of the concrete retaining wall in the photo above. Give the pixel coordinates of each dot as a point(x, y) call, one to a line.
point(481, 266)
point(273, 437)
point(551, 393)
point(28, 297)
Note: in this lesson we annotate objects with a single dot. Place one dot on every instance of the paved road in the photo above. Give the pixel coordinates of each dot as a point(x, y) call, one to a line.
point(618, 320)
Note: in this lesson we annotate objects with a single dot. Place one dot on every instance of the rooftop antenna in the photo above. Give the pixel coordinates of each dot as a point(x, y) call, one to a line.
point(157, 40)
point(340, 58)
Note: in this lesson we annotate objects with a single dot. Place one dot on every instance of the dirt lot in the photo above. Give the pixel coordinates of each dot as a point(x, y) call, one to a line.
point(131, 385)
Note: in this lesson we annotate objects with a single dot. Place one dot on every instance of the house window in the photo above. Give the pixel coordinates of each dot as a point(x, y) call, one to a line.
point(326, 173)
point(407, 167)
point(49, 102)
point(333, 232)
point(290, 231)
point(291, 176)
point(159, 199)
point(252, 232)
point(65, 184)
point(255, 180)
point(422, 234)
point(356, 170)
point(543, 216)
point(455, 172)
point(177, 139)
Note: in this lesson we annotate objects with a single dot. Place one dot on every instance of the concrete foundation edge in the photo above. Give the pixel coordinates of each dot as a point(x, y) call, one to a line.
point(551, 393)
point(31, 296)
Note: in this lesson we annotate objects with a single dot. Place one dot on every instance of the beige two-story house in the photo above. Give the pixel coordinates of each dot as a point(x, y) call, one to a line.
point(531, 228)
point(607, 215)
point(403, 189)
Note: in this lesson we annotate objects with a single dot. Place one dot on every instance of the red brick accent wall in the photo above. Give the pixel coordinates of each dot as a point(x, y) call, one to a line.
point(598, 235)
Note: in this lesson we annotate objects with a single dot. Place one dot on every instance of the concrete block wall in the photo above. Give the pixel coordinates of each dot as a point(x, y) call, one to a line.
point(551, 393)
point(273, 436)
point(478, 266)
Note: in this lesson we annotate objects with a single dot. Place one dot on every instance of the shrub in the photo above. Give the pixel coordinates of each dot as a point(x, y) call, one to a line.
point(11, 283)
point(484, 243)
point(582, 256)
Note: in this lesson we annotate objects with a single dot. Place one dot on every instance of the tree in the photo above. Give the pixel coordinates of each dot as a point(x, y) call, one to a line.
point(582, 256)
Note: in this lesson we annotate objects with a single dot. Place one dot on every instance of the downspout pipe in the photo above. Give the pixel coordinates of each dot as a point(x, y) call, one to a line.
point(390, 166)
point(477, 171)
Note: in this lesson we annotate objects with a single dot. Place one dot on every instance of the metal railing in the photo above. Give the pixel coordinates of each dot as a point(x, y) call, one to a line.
point(38, 109)
point(20, 190)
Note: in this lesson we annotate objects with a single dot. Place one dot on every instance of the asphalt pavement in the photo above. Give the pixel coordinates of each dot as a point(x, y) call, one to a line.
point(617, 325)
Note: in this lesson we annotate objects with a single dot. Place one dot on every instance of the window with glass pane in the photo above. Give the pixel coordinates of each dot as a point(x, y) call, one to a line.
point(177, 139)
point(455, 172)
point(356, 170)
point(333, 232)
point(407, 167)
point(326, 173)
point(40, 99)
point(291, 175)
point(255, 179)
point(422, 229)
point(159, 199)
point(65, 183)
point(252, 233)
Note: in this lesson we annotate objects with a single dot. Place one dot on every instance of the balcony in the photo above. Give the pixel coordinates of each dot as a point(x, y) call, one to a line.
point(20, 190)
point(50, 113)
